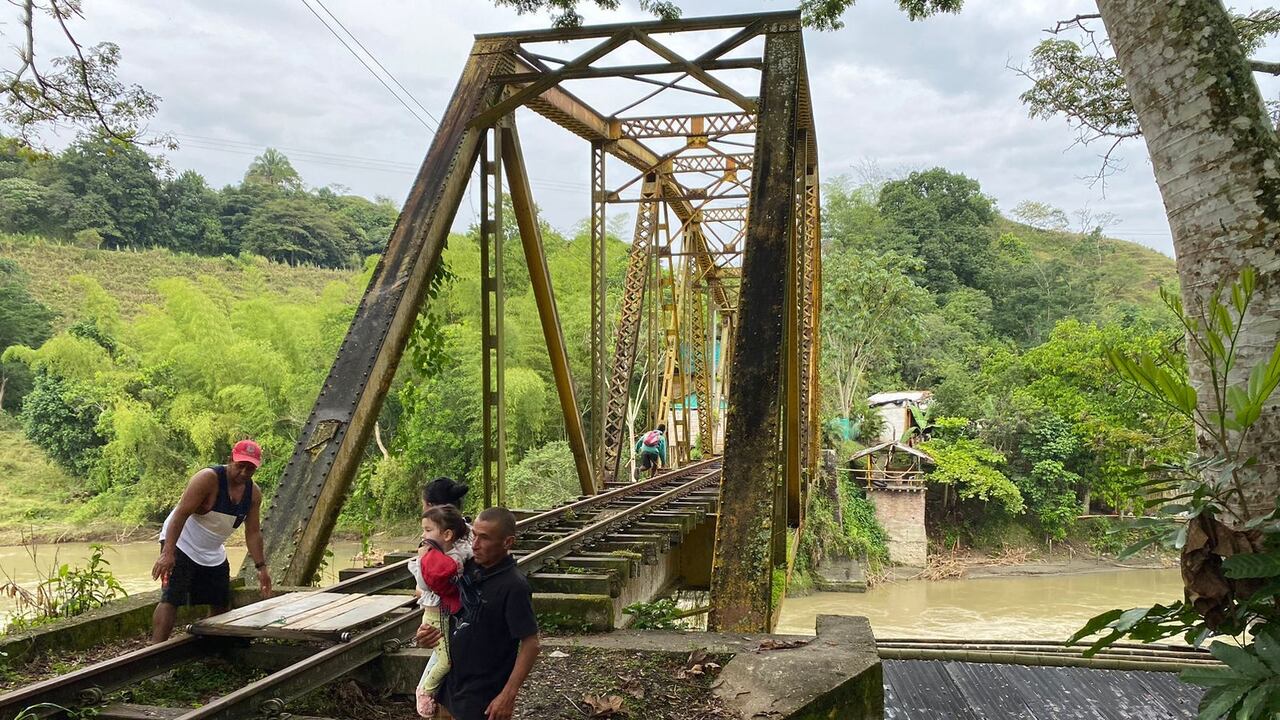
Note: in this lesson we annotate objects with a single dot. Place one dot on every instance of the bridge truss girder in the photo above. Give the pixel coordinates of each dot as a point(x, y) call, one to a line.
point(740, 322)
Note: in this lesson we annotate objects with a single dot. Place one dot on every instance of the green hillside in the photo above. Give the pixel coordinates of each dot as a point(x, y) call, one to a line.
point(1130, 273)
point(128, 276)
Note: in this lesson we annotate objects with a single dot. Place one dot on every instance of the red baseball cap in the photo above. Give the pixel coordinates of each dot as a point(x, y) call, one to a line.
point(247, 451)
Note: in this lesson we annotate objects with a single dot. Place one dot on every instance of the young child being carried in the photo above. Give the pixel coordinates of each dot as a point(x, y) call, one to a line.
point(436, 570)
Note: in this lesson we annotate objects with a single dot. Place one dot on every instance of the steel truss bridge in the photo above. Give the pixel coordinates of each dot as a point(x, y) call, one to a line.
point(717, 332)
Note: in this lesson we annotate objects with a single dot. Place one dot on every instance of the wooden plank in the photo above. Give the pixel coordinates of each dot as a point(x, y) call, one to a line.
point(253, 607)
point(330, 610)
point(372, 607)
point(273, 614)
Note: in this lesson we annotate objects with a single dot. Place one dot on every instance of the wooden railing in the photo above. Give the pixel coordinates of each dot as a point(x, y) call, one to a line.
point(890, 479)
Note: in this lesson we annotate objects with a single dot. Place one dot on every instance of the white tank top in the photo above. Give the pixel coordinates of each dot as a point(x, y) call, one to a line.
point(204, 537)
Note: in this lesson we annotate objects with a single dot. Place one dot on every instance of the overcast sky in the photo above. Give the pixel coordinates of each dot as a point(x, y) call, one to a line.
point(239, 75)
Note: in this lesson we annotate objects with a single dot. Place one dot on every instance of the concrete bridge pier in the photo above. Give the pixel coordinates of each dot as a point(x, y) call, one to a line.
point(901, 512)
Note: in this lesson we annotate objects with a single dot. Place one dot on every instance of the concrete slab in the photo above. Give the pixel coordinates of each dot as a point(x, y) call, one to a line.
point(840, 575)
point(836, 675)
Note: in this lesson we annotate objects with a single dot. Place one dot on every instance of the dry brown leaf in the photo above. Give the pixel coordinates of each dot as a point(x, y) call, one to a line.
point(770, 644)
point(604, 705)
point(633, 687)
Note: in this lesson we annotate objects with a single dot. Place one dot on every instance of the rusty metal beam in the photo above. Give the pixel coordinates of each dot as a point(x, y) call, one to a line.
point(547, 80)
point(540, 282)
point(599, 351)
point(718, 22)
point(813, 208)
point(741, 583)
point(700, 365)
point(792, 407)
point(635, 72)
point(315, 481)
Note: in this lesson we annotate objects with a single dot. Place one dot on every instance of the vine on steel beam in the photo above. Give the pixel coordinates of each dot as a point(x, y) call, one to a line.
point(742, 577)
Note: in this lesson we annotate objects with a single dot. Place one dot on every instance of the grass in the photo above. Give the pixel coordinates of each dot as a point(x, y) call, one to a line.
point(128, 276)
point(1129, 273)
point(37, 498)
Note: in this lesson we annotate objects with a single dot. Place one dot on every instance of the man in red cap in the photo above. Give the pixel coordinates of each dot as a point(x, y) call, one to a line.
point(193, 567)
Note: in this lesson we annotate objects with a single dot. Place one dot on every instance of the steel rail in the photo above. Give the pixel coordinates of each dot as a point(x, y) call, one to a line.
point(87, 686)
point(388, 576)
point(267, 697)
point(597, 530)
point(575, 508)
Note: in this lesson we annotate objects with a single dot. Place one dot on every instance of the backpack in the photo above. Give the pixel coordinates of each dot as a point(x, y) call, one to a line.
point(651, 438)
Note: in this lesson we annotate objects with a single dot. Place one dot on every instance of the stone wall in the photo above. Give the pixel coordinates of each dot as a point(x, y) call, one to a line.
point(901, 512)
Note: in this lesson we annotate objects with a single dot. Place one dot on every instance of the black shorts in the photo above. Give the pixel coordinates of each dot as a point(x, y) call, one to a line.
point(191, 583)
point(648, 460)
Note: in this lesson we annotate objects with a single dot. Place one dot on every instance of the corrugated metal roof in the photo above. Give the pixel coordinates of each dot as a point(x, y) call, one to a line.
point(933, 690)
point(900, 396)
point(897, 447)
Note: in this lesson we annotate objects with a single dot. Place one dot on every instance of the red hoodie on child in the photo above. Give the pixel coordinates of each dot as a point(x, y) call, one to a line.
point(438, 572)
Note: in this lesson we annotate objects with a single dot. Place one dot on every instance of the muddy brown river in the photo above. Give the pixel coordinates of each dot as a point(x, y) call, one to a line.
point(130, 562)
point(1047, 607)
point(1019, 607)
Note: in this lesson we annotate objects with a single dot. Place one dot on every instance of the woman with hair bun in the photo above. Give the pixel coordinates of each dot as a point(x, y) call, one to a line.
point(443, 491)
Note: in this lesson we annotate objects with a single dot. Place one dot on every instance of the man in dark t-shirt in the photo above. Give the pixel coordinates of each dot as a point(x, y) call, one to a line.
point(494, 638)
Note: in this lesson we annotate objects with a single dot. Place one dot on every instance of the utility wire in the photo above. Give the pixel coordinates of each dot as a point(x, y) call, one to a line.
point(366, 65)
point(377, 62)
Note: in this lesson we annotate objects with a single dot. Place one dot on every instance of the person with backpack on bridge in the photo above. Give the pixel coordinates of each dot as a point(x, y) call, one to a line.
point(651, 450)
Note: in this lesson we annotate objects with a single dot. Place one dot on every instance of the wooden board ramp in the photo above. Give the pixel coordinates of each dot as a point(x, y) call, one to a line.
point(303, 616)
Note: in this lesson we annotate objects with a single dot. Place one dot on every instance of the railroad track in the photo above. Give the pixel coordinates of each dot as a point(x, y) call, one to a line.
point(587, 532)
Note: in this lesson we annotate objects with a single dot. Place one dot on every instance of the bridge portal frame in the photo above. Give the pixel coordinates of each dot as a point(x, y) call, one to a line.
point(758, 289)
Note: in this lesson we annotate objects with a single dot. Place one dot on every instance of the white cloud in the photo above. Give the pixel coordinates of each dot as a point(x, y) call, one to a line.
point(935, 92)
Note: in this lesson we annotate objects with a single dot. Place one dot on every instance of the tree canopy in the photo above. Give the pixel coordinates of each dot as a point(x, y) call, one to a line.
point(101, 192)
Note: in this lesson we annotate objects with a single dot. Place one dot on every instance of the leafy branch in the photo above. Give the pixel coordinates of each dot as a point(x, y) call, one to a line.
point(1231, 572)
point(80, 89)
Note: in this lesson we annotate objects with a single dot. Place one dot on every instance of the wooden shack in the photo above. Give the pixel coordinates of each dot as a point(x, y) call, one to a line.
point(893, 475)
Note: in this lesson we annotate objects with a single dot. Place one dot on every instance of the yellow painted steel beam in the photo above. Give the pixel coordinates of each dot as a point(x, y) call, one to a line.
point(627, 334)
point(540, 282)
point(305, 507)
point(492, 333)
point(665, 126)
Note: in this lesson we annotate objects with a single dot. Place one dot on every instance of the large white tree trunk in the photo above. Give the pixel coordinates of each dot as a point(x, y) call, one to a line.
point(1217, 160)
